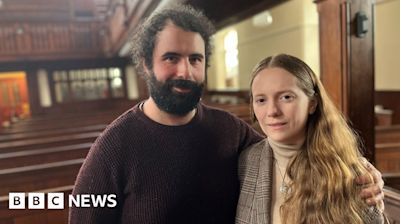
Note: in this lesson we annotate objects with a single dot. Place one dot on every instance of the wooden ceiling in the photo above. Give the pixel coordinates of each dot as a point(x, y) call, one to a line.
point(227, 12)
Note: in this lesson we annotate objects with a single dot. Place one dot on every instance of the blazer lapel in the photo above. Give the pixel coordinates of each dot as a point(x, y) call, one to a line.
point(263, 192)
point(255, 173)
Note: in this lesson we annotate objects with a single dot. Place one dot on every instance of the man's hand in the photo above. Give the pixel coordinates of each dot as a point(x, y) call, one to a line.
point(372, 192)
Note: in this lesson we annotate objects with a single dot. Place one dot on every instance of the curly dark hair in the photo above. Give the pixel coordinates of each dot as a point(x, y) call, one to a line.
point(183, 16)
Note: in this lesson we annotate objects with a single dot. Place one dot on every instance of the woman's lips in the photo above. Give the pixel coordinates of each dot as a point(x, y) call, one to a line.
point(277, 125)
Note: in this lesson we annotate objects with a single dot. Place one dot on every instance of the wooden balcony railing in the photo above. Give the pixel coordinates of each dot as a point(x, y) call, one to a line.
point(51, 40)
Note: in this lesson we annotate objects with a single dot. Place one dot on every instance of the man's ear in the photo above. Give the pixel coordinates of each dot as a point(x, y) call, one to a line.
point(145, 69)
point(313, 105)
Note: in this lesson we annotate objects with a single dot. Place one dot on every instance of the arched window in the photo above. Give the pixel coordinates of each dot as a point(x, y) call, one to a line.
point(231, 59)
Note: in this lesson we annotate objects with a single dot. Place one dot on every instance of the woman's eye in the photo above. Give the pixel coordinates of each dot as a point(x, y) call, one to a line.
point(259, 101)
point(287, 97)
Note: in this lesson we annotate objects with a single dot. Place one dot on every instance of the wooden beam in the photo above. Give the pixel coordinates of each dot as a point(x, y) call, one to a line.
point(142, 9)
point(347, 63)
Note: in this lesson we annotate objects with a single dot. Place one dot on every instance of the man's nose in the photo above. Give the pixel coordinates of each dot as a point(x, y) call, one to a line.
point(184, 70)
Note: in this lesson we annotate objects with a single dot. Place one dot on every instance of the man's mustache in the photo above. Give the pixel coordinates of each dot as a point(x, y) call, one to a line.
point(182, 83)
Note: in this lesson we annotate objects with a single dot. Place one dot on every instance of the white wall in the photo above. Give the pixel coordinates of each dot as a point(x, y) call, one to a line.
point(294, 30)
point(387, 45)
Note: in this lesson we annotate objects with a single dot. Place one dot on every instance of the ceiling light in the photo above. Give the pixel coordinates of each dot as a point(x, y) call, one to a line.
point(262, 19)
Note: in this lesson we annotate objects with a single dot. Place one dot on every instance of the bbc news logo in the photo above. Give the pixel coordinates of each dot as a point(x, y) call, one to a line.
point(17, 200)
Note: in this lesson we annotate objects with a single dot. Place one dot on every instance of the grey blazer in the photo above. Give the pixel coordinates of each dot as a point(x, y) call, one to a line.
point(255, 175)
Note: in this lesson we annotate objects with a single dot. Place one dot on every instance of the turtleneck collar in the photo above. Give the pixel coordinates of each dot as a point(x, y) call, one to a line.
point(283, 153)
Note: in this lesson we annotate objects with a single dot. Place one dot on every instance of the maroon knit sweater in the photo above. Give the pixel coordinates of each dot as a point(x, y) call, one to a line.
point(165, 174)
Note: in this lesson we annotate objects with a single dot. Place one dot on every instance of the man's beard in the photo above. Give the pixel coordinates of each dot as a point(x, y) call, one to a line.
point(173, 102)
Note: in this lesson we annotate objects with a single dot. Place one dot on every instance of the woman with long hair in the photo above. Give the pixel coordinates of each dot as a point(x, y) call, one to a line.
point(305, 170)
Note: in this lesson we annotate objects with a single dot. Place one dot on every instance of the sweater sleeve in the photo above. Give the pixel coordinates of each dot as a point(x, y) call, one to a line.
point(98, 176)
point(373, 215)
point(248, 135)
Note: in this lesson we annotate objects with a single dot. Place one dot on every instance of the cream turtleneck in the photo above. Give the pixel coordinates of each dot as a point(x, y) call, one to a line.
point(282, 156)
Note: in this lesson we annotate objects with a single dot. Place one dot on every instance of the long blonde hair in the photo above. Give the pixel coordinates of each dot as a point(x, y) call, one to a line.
point(323, 188)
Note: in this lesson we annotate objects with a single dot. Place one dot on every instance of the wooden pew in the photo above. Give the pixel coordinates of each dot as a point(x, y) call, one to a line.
point(58, 125)
point(240, 110)
point(50, 133)
point(65, 116)
point(42, 216)
point(387, 156)
point(387, 148)
point(392, 204)
point(78, 112)
point(387, 134)
point(61, 121)
point(43, 155)
point(40, 176)
point(392, 180)
point(14, 146)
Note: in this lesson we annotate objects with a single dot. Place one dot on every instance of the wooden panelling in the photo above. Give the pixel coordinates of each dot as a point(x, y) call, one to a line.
point(389, 100)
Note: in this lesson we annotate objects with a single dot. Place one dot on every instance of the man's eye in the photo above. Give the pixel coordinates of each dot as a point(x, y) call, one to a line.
point(171, 59)
point(195, 60)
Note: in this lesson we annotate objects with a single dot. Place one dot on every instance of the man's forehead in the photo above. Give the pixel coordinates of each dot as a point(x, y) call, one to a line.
point(174, 37)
